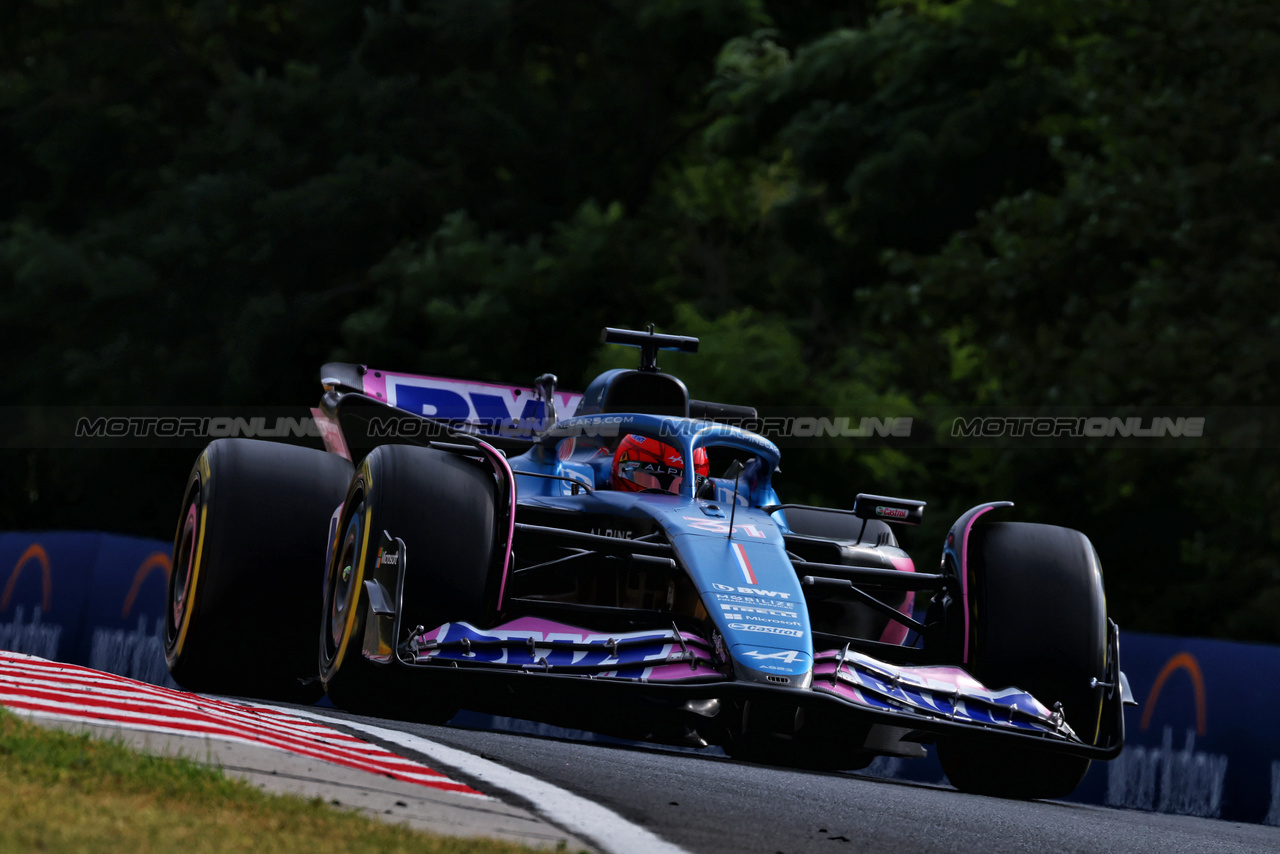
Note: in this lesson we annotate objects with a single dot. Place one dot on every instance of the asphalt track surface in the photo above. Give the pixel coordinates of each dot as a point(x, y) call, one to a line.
point(713, 805)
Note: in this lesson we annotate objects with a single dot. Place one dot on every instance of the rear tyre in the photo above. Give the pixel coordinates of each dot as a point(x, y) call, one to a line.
point(248, 556)
point(1038, 622)
point(443, 507)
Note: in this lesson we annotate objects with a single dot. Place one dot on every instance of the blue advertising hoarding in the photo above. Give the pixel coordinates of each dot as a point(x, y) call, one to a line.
point(86, 598)
point(1203, 738)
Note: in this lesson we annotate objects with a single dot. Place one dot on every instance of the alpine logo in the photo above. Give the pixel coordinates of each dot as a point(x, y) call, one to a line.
point(752, 591)
point(617, 533)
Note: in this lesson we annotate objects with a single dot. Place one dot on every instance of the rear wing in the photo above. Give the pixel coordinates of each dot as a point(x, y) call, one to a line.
point(480, 408)
point(364, 407)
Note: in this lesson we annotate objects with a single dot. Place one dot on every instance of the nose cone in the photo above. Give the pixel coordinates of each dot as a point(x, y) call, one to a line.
point(771, 665)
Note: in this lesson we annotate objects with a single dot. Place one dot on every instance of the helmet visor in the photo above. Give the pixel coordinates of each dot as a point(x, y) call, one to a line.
point(652, 475)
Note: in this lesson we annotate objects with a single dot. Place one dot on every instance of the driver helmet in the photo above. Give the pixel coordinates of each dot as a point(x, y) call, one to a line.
point(641, 463)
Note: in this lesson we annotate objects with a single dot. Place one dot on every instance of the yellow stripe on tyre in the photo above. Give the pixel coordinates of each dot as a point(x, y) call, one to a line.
point(193, 571)
point(357, 571)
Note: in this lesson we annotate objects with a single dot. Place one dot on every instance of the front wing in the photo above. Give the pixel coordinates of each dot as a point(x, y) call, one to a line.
point(674, 666)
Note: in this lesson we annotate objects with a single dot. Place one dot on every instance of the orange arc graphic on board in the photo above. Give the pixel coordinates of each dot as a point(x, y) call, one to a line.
point(1182, 661)
point(156, 560)
point(35, 552)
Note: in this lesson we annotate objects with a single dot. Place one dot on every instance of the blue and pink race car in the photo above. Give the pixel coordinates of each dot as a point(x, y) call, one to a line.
point(618, 561)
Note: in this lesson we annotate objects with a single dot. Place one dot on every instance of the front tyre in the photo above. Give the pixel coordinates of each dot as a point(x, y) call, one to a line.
point(247, 561)
point(443, 506)
point(1037, 621)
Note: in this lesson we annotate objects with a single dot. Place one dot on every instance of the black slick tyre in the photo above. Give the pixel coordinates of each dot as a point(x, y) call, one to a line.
point(248, 558)
point(443, 507)
point(1037, 621)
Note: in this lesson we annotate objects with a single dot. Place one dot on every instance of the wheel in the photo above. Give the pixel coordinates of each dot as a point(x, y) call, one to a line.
point(443, 507)
point(1038, 622)
point(248, 557)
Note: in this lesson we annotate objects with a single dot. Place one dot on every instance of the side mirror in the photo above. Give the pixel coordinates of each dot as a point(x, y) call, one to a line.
point(545, 388)
point(902, 511)
point(735, 468)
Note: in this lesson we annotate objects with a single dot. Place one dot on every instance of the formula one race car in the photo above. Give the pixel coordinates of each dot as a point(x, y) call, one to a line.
point(573, 559)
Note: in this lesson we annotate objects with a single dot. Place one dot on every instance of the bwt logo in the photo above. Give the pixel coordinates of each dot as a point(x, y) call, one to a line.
point(489, 407)
point(751, 591)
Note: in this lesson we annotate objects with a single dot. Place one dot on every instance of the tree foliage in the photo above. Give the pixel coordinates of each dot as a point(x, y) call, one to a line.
point(877, 208)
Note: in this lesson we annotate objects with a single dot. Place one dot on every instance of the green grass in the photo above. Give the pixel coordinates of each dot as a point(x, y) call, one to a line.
point(63, 792)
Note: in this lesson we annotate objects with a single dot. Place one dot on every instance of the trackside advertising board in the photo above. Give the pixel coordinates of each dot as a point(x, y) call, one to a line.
point(1202, 741)
point(86, 598)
